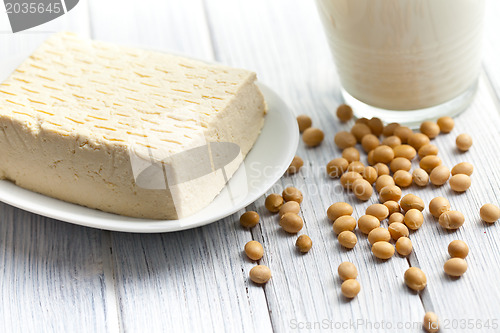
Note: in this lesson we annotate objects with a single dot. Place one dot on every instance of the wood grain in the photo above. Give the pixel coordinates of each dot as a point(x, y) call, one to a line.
point(194, 280)
point(305, 287)
point(52, 272)
point(477, 291)
point(52, 275)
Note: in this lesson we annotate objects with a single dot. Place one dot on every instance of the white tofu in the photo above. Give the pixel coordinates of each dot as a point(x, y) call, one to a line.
point(114, 128)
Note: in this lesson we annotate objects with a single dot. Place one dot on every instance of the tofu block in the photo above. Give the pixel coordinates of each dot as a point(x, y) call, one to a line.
point(125, 130)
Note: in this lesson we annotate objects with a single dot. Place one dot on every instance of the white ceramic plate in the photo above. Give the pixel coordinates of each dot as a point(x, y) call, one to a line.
point(263, 166)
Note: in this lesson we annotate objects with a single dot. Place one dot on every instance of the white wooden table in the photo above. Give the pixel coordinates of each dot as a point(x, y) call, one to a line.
point(61, 277)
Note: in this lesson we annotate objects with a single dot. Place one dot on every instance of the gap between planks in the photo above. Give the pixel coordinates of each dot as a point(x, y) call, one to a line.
point(113, 315)
point(257, 236)
point(495, 95)
point(211, 37)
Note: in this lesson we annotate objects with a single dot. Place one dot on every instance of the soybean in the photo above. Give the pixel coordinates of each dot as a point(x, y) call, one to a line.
point(274, 202)
point(295, 166)
point(405, 151)
point(260, 274)
point(391, 192)
point(369, 142)
point(380, 211)
point(383, 181)
point(339, 209)
point(430, 128)
point(359, 130)
point(370, 174)
point(289, 207)
point(344, 112)
point(428, 163)
point(304, 243)
point(249, 219)
point(415, 278)
point(347, 239)
point(464, 168)
point(451, 219)
point(369, 158)
point(438, 206)
point(304, 122)
point(393, 207)
point(344, 140)
point(351, 154)
point(292, 194)
point(367, 223)
point(458, 249)
point(254, 250)
point(383, 154)
point(336, 167)
point(383, 250)
point(460, 182)
point(376, 126)
point(362, 189)
point(382, 169)
point(404, 246)
point(392, 141)
point(410, 201)
point(428, 149)
point(362, 121)
point(356, 166)
point(348, 179)
point(389, 129)
point(489, 213)
point(344, 223)
point(417, 140)
point(400, 163)
point(350, 288)
point(291, 223)
point(398, 230)
point(402, 178)
point(455, 267)
point(347, 270)
point(439, 175)
point(420, 177)
point(403, 132)
point(379, 235)
point(396, 217)
point(446, 124)
point(414, 219)
point(431, 321)
point(313, 137)
point(464, 142)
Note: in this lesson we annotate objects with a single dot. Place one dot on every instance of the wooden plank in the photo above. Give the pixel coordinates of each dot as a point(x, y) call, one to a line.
point(53, 276)
point(478, 291)
point(193, 280)
point(302, 286)
point(189, 281)
point(491, 47)
point(161, 25)
point(284, 43)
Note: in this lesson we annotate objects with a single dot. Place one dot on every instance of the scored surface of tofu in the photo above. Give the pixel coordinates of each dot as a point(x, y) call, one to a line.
point(80, 120)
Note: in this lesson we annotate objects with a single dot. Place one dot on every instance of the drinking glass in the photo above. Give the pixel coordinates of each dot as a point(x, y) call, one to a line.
point(405, 60)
